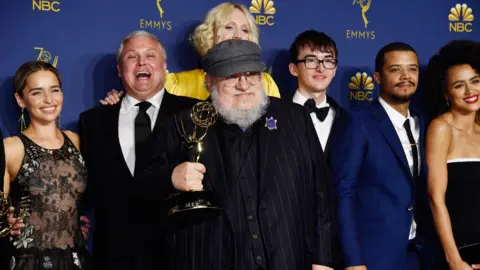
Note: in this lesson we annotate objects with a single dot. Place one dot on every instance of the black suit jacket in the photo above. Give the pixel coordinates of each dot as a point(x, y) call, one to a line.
point(340, 115)
point(128, 224)
point(294, 209)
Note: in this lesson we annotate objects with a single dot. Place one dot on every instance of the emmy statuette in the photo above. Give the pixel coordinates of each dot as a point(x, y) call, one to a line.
point(5, 204)
point(195, 205)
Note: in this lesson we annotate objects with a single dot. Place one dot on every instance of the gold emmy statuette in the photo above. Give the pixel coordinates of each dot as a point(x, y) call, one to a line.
point(186, 205)
point(5, 204)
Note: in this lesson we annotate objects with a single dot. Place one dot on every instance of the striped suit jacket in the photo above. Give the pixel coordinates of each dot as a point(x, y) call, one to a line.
point(294, 196)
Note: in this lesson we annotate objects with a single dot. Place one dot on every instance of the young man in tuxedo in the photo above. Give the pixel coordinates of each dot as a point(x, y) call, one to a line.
point(113, 144)
point(313, 60)
point(379, 171)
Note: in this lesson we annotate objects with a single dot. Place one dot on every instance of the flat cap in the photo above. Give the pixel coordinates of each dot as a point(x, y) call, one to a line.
point(232, 56)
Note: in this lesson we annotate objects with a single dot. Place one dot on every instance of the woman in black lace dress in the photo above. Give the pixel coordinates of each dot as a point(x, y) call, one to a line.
point(453, 153)
point(45, 176)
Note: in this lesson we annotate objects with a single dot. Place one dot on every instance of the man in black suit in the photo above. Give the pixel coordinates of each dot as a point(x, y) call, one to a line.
point(313, 60)
point(128, 222)
point(263, 163)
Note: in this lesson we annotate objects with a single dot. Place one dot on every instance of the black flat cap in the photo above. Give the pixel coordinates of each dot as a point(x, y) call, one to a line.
point(232, 56)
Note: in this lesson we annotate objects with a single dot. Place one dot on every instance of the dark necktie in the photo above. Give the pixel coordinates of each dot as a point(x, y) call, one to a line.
point(413, 144)
point(320, 112)
point(142, 122)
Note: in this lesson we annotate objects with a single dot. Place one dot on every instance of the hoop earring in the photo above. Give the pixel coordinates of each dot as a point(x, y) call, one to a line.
point(22, 122)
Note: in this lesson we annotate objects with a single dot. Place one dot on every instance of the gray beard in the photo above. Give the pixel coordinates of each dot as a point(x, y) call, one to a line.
point(242, 118)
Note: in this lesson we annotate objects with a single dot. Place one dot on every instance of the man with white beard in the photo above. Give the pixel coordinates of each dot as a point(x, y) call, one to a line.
point(263, 163)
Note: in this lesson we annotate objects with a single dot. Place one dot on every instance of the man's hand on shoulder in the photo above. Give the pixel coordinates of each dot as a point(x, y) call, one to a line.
point(112, 98)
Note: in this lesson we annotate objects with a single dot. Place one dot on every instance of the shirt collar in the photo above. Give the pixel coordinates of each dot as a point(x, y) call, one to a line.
point(129, 102)
point(301, 99)
point(397, 118)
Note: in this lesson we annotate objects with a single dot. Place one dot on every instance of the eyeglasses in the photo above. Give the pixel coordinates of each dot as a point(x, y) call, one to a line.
point(313, 63)
point(252, 78)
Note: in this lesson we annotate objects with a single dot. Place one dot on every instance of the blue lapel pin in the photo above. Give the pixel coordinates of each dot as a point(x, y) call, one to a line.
point(270, 123)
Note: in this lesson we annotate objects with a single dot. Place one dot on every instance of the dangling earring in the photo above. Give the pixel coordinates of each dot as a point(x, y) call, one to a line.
point(21, 120)
point(58, 122)
point(448, 103)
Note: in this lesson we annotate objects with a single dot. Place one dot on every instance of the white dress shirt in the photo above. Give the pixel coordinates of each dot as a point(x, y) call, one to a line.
point(322, 128)
point(398, 120)
point(126, 124)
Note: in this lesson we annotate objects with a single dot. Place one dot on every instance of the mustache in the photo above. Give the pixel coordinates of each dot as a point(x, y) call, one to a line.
point(405, 82)
point(237, 92)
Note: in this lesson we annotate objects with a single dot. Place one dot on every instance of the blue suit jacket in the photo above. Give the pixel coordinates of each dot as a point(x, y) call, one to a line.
point(377, 196)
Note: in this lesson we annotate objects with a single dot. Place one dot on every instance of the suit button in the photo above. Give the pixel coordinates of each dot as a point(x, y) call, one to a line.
point(255, 236)
point(410, 208)
point(231, 266)
point(250, 217)
point(259, 258)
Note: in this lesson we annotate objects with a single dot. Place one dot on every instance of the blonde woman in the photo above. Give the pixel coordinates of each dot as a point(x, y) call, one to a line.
point(225, 21)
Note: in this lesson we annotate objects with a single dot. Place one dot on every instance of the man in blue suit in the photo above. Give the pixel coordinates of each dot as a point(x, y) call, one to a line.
point(378, 168)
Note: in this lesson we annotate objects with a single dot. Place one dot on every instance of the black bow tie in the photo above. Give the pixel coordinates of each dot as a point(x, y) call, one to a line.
point(320, 112)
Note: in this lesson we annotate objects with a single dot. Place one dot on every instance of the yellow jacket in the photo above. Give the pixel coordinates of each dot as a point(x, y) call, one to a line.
point(191, 84)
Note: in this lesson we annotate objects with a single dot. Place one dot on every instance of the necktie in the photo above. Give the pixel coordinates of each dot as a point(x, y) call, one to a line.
point(413, 144)
point(320, 112)
point(142, 122)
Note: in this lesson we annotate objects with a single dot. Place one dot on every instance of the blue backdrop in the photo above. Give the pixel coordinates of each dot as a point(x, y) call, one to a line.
point(81, 37)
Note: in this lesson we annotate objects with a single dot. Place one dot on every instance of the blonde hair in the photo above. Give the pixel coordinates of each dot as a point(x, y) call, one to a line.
point(207, 33)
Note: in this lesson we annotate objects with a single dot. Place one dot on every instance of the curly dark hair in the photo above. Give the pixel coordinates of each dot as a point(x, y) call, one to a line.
point(454, 53)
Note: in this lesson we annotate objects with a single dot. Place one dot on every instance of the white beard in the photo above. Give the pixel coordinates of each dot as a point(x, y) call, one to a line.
point(242, 118)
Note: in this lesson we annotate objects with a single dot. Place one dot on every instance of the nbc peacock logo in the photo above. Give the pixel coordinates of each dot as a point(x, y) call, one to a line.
point(361, 87)
point(263, 10)
point(46, 56)
point(461, 18)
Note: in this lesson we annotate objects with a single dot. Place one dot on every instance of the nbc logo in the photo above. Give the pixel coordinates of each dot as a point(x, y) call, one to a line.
point(268, 11)
point(46, 5)
point(46, 56)
point(361, 86)
point(460, 18)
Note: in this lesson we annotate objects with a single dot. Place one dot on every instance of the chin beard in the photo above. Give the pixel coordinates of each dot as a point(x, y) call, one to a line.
point(402, 98)
point(242, 118)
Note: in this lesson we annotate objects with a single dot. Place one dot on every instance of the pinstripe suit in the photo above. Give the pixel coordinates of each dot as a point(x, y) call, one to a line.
point(294, 214)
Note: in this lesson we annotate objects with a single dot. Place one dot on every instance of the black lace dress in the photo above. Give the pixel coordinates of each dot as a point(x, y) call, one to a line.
point(49, 186)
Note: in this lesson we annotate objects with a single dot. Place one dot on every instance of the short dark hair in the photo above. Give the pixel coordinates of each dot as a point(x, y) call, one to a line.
point(392, 47)
point(316, 41)
point(28, 69)
point(454, 53)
